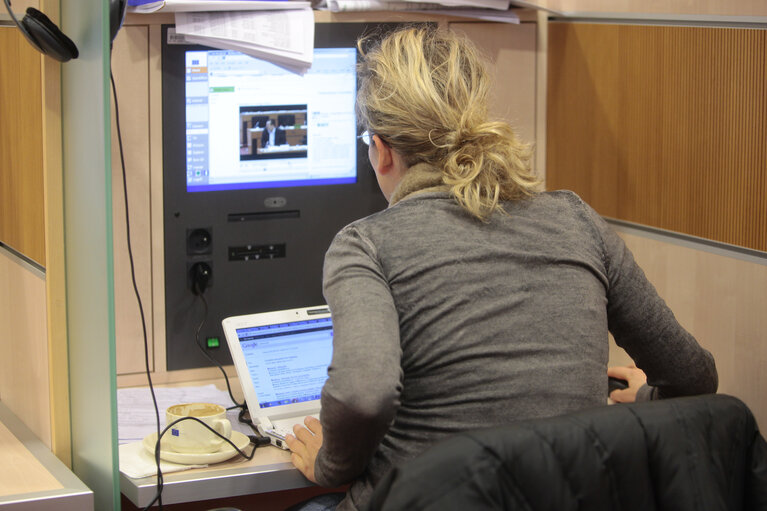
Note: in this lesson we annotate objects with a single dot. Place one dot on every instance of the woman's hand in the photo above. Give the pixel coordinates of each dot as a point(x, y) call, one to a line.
point(635, 378)
point(305, 445)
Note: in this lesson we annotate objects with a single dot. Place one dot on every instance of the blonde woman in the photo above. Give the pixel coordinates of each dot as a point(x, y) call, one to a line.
point(474, 299)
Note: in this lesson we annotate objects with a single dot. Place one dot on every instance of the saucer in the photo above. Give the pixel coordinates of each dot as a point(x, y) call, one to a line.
point(198, 458)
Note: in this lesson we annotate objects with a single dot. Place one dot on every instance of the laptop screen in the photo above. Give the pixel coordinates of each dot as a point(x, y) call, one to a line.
point(288, 362)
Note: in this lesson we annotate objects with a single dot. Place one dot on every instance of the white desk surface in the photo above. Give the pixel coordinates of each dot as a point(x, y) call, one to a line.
point(269, 470)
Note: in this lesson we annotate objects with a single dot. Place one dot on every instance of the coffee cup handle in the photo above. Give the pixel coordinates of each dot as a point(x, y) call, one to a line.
point(223, 427)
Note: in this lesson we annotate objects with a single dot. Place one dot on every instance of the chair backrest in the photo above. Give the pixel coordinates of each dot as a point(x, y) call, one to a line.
point(692, 453)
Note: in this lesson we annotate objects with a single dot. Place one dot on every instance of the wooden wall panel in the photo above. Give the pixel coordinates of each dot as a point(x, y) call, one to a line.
point(653, 9)
point(55, 267)
point(22, 218)
point(662, 126)
point(24, 370)
point(510, 50)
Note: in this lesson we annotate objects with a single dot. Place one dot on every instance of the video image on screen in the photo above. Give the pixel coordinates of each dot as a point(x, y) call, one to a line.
point(269, 132)
point(252, 124)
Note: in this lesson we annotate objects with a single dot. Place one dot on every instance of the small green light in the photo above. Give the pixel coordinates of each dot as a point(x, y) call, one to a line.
point(212, 342)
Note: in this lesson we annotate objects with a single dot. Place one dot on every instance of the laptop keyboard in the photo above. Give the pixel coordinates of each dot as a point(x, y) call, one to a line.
point(285, 426)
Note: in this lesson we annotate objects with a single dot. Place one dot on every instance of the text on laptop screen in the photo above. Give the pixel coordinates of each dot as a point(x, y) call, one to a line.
point(288, 363)
point(252, 124)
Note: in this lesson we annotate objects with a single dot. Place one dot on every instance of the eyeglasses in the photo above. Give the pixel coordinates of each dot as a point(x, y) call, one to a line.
point(366, 136)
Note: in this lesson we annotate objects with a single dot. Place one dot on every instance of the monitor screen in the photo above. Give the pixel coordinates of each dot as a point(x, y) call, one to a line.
point(253, 124)
point(288, 363)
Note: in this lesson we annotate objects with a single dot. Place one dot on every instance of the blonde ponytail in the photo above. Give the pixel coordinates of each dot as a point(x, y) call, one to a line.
point(424, 91)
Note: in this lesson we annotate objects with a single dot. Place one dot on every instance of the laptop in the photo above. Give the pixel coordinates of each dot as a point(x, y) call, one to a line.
point(281, 359)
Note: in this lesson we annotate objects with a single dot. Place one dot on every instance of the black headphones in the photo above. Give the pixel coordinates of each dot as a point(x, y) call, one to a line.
point(44, 35)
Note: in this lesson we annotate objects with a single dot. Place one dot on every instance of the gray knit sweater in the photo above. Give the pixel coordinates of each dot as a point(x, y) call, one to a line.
point(443, 324)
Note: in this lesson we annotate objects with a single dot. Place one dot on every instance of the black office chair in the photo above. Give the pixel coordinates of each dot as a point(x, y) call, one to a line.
point(694, 453)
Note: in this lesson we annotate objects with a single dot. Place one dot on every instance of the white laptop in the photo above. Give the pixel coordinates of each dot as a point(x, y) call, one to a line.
point(282, 360)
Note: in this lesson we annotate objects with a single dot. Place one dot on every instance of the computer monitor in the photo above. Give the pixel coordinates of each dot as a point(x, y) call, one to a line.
point(253, 124)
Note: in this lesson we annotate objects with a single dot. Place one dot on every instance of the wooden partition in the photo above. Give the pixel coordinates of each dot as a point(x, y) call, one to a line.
point(22, 211)
point(662, 125)
point(652, 9)
point(665, 126)
point(24, 375)
point(34, 374)
point(31, 224)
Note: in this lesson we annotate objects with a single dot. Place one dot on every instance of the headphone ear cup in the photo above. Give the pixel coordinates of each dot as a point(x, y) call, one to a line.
point(117, 10)
point(47, 37)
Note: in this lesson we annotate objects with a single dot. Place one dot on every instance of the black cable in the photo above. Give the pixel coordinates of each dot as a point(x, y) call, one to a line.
point(227, 440)
point(257, 439)
point(158, 498)
point(200, 294)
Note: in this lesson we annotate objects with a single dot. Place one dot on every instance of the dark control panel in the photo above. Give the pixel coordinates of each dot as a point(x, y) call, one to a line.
point(256, 252)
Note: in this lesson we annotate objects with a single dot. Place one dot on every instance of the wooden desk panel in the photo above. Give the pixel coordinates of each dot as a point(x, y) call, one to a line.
point(31, 477)
point(20, 471)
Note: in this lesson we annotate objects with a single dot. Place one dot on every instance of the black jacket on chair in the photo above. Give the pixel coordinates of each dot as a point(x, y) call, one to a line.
point(692, 453)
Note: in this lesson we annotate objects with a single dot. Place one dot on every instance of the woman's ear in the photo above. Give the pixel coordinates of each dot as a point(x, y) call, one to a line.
point(384, 154)
point(388, 165)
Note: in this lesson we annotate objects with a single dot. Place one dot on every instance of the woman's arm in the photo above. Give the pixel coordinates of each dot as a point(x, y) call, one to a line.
point(643, 325)
point(361, 396)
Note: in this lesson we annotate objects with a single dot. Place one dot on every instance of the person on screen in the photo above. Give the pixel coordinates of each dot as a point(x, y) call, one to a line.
point(474, 299)
point(272, 136)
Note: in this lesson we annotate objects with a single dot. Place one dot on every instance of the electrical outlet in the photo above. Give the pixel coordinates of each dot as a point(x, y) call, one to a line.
point(199, 241)
point(199, 276)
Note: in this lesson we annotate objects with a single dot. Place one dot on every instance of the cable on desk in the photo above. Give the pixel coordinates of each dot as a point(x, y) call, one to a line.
point(200, 293)
point(256, 444)
point(257, 439)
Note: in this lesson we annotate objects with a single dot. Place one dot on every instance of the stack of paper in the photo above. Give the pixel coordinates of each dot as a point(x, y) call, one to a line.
point(413, 5)
point(283, 37)
point(491, 10)
point(149, 6)
point(136, 416)
point(282, 31)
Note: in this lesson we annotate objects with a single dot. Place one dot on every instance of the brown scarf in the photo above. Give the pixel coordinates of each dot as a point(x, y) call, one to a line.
point(420, 178)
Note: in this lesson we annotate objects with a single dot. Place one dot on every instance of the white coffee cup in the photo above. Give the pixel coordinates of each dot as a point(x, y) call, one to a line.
point(189, 436)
